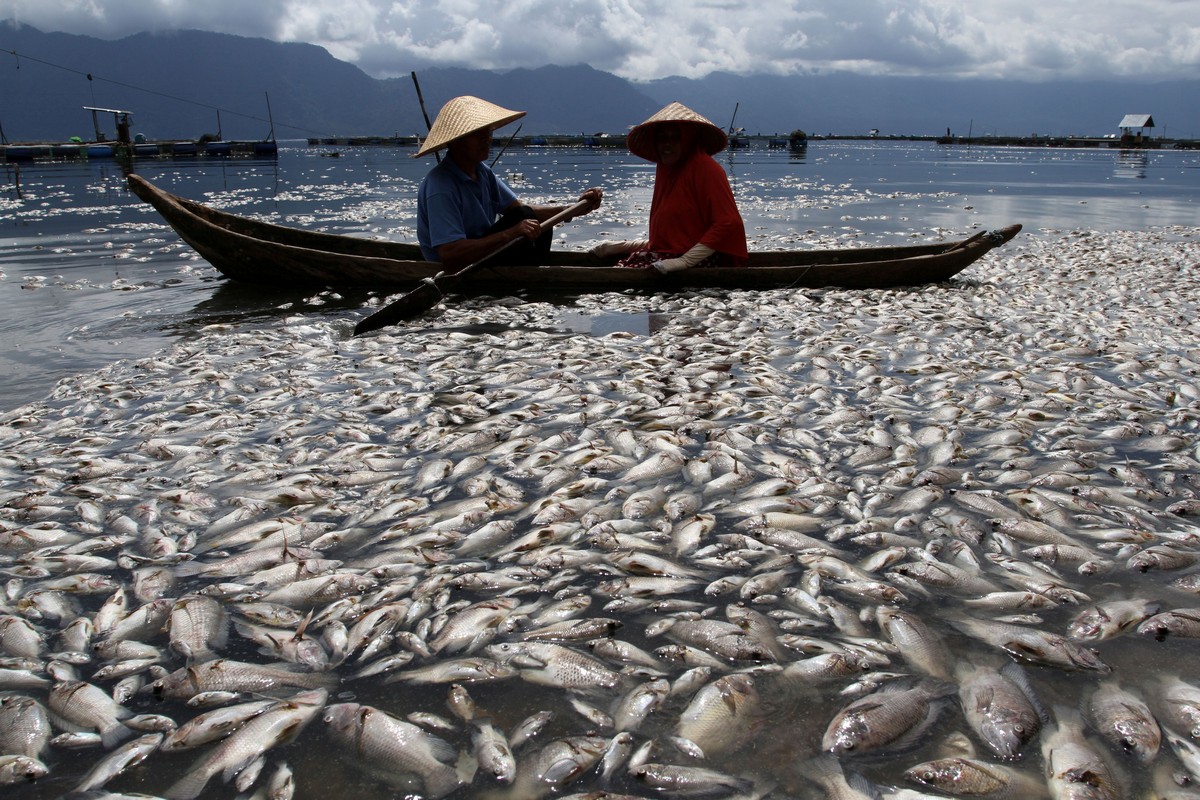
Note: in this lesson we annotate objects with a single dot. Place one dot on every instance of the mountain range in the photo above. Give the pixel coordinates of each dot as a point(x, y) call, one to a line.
point(185, 84)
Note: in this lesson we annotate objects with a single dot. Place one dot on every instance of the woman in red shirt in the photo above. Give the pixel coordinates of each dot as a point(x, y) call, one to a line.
point(694, 220)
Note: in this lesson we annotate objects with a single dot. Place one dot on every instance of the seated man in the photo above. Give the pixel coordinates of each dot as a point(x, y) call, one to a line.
point(464, 212)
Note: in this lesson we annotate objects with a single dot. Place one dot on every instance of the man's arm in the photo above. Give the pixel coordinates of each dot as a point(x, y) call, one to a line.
point(460, 253)
point(594, 196)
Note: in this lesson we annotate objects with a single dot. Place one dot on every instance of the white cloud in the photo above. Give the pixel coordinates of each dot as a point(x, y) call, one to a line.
point(642, 40)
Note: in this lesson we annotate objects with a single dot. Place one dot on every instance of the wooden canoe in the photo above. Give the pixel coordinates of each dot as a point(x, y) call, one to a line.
point(248, 250)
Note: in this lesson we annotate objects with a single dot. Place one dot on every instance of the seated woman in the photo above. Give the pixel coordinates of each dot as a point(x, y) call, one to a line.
point(694, 220)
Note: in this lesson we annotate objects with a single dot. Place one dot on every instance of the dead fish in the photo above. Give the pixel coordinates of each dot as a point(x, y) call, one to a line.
point(15, 768)
point(1184, 622)
point(1111, 618)
point(474, 626)
point(575, 630)
point(1124, 719)
point(677, 780)
point(118, 761)
point(723, 639)
point(550, 664)
point(24, 726)
point(1178, 702)
point(893, 717)
point(213, 725)
point(91, 708)
point(1162, 556)
point(457, 670)
point(280, 724)
point(723, 715)
point(919, 644)
point(529, 728)
point(971, 777)
point(1074, 768)
point(227, 675)
point(197, 627)
point(18, 637)
point(492, 751)
point(638, 703)
point(556, 764)
point(1032, 646)
point(999, 706)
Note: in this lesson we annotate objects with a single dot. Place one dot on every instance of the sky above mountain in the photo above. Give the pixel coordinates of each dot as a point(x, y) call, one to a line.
point(1008, 39)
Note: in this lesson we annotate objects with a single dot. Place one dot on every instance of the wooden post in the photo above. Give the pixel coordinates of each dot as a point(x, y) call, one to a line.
point(424, 113)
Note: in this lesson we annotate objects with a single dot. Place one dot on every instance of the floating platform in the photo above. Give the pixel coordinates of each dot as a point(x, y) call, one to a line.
point(599, 140)
point(52, 151)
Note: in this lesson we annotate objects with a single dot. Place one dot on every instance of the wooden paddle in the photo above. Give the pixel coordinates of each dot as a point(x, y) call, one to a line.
point(429, 291)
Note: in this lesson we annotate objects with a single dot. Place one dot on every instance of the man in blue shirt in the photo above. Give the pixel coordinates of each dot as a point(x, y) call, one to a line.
point(464, 212)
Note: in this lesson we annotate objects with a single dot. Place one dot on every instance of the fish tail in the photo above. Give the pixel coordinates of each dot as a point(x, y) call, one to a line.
point(188, 787)
point(115, 734)
point(441, 782)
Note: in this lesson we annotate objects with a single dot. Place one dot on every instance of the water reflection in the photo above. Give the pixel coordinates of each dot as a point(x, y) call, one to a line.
point(1132, 164)
point(607, 323)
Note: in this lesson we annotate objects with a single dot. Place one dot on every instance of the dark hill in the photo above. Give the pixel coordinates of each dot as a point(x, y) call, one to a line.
point(175, 83)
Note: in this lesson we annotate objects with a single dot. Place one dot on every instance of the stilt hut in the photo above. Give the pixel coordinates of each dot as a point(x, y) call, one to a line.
point(1143, 123)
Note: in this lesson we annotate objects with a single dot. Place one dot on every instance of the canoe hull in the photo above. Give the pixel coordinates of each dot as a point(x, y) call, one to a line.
point(252, 251)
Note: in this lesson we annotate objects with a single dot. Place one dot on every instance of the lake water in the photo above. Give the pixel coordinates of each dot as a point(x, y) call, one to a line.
point(89, 274)
point(733, 493)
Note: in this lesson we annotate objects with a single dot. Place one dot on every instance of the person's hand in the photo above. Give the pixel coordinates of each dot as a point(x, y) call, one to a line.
point(668, 265)
point(594, 196)
point(527, 228)
point(691, 258)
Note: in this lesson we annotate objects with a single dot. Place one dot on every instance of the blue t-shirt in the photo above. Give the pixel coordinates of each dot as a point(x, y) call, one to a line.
point(451, 206)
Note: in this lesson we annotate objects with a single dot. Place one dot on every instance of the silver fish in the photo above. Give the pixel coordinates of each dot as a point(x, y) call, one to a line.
point(920, 645)
point(972, 777)
point(556, 764)
point(91, 708)
point(638, 703)
point(118, 761)
point(998, 707)
point(1075, 768)
point(892, 717)
point(15, 768)
point(197, 627)
point(1183, 622)
point(1032, 646)
point(722, 715)
point(24, 726)
point(1124, 719)
point(492, 750)
point(550, 664)
point(1111, 618)
point(213, 725)
point(227, 675)
point(676, 780)
point(457, 670)
point(1179, 704)
point(278, 725)
point(394, 750)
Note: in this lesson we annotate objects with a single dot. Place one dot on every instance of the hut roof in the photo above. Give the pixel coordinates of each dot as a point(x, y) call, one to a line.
point(1137, 121)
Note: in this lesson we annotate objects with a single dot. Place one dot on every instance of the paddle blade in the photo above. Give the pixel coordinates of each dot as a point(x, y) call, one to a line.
point(414, 304)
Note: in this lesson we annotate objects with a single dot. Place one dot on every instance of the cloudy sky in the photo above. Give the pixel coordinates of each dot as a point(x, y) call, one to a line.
point(642, 40)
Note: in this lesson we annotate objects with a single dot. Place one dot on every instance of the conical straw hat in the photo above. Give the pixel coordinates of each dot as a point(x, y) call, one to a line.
point(465, 115)
point(709, 137)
